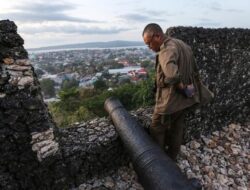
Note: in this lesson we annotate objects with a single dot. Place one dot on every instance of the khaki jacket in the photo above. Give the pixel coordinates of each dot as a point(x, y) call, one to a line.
point(173, 63)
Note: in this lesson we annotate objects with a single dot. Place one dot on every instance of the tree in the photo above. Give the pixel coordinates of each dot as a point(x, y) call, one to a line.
point(86, 93)
point(68, 93)
point(39, 72)
point(83, 104)
point(144, 95)
point(48, 87)
point(147, 64)
point(100, 84)
point(69, 83)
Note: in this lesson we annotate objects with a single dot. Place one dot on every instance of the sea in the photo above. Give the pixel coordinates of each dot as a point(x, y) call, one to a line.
point(72, 49)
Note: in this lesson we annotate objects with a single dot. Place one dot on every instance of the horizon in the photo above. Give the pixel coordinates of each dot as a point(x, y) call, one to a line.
point(43, 23)
point(64, 47)
point(130, 41)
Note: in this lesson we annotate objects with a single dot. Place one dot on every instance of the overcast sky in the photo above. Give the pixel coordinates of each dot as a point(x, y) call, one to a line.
point(44, 23)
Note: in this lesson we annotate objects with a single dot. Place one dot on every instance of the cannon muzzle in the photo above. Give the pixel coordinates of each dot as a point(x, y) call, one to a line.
point(155, 170)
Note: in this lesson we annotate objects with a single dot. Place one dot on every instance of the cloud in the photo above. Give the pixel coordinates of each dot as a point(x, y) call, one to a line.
point(71, 29)
point(45, 7)
point(41, 12)
point(143, 15)
point(215, 6)
point(40, 17)
point(207, 23)
point(234, 10)
point(134, 17)
point(127, 2)
point(153, 13)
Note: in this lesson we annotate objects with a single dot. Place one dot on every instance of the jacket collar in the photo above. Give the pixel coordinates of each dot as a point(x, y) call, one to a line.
point(166, 39)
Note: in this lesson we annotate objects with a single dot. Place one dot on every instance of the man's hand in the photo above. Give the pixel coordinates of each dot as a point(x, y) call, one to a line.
point(187, 90)
point(180, 86)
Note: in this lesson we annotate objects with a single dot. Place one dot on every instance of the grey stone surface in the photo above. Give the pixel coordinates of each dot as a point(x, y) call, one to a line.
point(214, 161)
point(221, 161)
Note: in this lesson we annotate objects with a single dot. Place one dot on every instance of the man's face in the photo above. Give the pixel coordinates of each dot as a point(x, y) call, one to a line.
point(152, 41)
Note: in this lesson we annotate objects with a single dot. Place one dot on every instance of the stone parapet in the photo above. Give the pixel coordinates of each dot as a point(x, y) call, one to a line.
point(35, 154)
point(222, 56)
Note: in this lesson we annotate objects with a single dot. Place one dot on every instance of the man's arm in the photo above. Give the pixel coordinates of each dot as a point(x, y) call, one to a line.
point(168, 62)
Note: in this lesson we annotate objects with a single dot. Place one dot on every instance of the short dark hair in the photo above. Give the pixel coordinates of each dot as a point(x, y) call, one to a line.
point(152, 28)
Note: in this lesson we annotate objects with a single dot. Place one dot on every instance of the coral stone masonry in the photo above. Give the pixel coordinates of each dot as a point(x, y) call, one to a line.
point(223, 57)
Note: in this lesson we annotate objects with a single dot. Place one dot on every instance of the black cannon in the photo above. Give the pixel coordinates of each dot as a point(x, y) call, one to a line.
point(155, 170)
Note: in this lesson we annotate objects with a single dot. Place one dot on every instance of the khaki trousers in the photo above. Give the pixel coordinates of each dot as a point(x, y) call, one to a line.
point(168, 132)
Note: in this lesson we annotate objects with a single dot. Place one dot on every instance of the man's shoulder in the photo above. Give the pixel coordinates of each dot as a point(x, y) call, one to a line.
point(175, 42)
point(169, 42)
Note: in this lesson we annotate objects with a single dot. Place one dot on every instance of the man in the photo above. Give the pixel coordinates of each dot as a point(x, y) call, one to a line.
point(177, 87)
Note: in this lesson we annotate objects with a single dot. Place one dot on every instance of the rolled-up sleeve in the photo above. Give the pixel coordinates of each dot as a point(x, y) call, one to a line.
point(168, 61)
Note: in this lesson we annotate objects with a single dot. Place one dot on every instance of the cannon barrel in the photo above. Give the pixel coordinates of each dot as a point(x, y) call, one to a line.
point(155, 170)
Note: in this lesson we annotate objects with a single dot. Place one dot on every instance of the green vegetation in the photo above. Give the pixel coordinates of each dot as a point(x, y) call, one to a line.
point(69, 83)
point(48, 88)
point(100, 84)
point(83, 104)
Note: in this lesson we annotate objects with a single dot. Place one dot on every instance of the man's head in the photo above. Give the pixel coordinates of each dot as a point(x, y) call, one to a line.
point(153, 36)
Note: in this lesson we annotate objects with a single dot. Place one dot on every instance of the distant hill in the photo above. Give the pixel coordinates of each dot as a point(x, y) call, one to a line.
point(110, 44)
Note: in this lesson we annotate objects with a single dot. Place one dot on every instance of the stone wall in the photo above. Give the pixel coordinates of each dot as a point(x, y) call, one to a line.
point(35, 154)
point(223, 57)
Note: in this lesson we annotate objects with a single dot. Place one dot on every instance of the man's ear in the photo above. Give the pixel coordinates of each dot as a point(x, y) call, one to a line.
point(157, 35)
